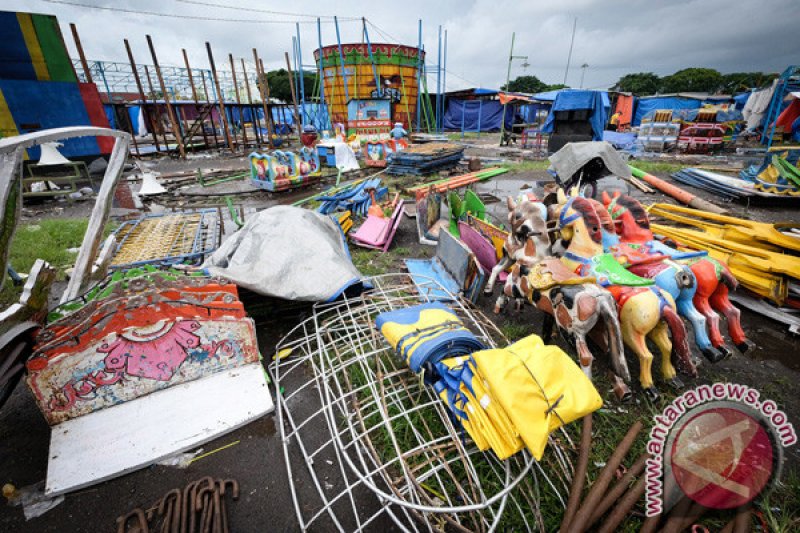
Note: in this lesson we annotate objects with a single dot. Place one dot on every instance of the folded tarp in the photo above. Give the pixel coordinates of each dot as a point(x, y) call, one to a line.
point(505, 397)
point(426, 333)
point(290, 253)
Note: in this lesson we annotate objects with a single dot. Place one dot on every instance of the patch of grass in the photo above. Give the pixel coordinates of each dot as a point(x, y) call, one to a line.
point(514, 332)
point(456, 136)
point(781, 508)
point(48, 239)
point(527, 165)
point(657, 167)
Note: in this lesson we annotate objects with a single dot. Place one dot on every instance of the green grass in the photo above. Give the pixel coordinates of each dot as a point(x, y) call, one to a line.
point(657, 167)
point(48, 239)
point(456, 136)
point(527, 165)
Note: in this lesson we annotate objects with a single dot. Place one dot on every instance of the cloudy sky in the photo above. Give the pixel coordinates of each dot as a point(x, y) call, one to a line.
point(612, 37)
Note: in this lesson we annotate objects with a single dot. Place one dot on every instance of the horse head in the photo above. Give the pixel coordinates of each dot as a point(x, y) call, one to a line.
point(607, 228)
point(527, 219)
point(580, 226)
point(630, 218)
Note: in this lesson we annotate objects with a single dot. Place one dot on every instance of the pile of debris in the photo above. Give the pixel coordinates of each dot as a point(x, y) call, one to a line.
point(425, 159)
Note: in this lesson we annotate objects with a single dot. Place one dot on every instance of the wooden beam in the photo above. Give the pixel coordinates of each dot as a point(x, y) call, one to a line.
point(170, 111)
point(210, 114)
point(256, 122)
point(155, 107)
point(221, 98)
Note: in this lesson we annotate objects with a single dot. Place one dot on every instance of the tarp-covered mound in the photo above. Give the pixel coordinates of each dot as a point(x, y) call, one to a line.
point(573, 156)
point(287, 252)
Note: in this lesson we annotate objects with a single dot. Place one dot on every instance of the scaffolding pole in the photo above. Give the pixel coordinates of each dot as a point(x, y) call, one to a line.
point(170, 111)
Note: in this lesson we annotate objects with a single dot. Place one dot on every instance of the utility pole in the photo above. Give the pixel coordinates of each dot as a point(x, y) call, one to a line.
point(511, 57)
point(583, 72)
point(571, 42)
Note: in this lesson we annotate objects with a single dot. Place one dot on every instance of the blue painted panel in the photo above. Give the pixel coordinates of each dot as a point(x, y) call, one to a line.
point(15, 60)
point(41, 105)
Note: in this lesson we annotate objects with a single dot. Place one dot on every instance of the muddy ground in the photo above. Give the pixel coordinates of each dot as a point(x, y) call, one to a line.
point(257, 459)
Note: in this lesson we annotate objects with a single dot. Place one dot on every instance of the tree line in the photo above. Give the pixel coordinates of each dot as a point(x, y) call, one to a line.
point(700, 80)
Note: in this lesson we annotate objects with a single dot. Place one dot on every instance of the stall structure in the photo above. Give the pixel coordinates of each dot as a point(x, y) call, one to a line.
point(362, 72)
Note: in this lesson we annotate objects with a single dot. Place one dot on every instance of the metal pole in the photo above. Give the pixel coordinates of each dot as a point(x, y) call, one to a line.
point(419, 74)
point(155, 107)
point(341, 61)
point(301, 75)
point(170, 111)
point(444, 77)
point(194, 93)
point(321, 69)
point(294, 96)
point(378, 87)
point(583, 72)
point(571, 42)
point(147, 117)
point(508, 80)
point(86, 72)
point(223, 117)
point(238, 100)
point(438, 81)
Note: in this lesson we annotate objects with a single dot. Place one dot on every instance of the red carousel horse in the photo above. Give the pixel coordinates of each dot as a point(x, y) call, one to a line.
point(714, 279)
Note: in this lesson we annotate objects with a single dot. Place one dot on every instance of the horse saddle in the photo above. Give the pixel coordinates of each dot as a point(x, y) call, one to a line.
point(551, 272)
point(608, 271)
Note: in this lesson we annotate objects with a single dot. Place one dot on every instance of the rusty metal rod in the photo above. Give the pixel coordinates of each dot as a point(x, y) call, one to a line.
point(263, 89)
point(223, 117)
point(170, 111)
point(253, 110)
point(194, 95)
point(579, 477)
point(619, 488)
point(294, 96)
point(84, 64)
point(601, 483)
point(624, 507)
point(238, 100)
point(148, 118)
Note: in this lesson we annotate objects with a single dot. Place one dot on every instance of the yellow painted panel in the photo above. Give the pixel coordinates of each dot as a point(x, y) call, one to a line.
point(32, 42)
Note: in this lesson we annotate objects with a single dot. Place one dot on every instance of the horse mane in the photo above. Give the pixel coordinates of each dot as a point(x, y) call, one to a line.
point(590, 218)
point(637, 210)
point(606, 221)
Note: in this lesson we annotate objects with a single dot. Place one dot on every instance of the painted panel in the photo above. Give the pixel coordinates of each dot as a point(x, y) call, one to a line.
point(7, 126)
point(96, 113)
point(64, 107)
point(119, 367)
point(35, 51)
point(53, 48)
point(15, 59)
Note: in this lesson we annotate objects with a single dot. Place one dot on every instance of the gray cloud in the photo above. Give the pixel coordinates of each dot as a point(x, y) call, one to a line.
point(613, 37)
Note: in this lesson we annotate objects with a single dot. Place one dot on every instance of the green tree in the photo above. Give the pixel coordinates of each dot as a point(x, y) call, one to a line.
point(742, 81)
point(526, 84)
point(639, 83)
point(280, 89)
point(701, 80)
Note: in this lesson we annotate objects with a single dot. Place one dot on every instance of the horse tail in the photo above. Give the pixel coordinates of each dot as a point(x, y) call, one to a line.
point(607, 309)
point(680, 338)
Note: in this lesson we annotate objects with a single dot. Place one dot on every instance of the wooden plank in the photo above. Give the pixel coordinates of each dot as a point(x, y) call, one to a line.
point(118, 440)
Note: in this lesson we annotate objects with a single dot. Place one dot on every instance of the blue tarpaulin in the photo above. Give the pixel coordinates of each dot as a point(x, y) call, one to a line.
point(646, 105)
point(741, 100)
point(476, 115)
point(570, 100)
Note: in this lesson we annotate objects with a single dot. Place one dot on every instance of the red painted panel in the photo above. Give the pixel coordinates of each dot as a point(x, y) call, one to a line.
point(97, 115)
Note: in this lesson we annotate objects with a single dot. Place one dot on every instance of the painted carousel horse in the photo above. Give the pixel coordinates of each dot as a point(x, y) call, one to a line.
point(645, 310)
point(714, 279)
point(575, 304)
point(675, 278)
